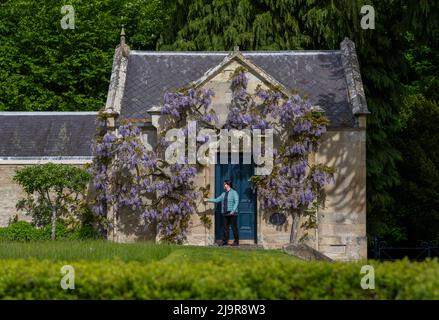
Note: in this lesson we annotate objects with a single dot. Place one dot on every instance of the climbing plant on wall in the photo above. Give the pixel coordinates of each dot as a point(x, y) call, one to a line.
point(295, 186)
point(127, 175)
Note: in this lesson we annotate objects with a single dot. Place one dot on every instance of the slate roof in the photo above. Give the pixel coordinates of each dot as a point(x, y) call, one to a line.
point(46, 134)
point(317, 74)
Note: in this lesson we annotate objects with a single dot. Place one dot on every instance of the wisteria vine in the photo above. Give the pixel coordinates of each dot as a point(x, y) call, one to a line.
point(295, 186)
point(127, 175)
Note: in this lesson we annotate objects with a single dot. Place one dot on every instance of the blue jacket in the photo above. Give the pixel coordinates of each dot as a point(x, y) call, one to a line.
point(232, 200)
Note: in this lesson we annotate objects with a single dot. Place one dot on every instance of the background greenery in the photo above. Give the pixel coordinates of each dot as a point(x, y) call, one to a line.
point(46, 68)
point(43, 67)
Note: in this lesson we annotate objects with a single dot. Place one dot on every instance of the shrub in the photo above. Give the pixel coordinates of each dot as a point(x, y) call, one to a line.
point(24, 231)
point(19, 231)
point(85, 232)
point(252, 279)
point(62, 232)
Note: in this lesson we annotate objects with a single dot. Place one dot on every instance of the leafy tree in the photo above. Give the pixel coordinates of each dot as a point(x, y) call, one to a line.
point(53, 190)
point(46, 68)
point(416, 204)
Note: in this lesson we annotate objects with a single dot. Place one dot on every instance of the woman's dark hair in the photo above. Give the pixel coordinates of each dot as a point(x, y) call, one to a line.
point(229, 183)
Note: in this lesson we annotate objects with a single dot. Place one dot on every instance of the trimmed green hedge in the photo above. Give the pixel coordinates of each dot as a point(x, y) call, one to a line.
point(254, 279)
point(24, 231)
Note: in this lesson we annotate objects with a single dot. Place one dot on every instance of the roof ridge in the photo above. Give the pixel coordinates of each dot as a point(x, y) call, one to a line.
point(221, 53)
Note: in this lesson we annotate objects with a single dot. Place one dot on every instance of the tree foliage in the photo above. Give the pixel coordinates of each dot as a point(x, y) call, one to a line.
point(416, 205)
point(52, 191)
point(46, 68)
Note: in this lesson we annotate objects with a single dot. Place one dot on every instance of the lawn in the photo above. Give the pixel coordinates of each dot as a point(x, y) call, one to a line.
point(141, 252)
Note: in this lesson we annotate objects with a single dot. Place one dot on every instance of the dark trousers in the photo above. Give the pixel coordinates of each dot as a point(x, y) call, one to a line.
point(230, 220)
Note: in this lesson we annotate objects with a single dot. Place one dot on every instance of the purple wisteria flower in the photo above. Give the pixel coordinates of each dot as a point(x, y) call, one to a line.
point(125, 174)
point(240, 81)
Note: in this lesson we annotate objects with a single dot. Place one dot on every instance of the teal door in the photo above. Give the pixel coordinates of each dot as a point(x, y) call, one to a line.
point(240, 175)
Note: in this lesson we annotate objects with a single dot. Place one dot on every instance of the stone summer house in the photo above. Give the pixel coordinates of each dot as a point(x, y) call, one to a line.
point(139, 79)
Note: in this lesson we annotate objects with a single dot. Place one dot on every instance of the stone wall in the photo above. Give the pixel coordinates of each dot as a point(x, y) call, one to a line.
point(342, 228)
point(342, 223)
point(10, 193)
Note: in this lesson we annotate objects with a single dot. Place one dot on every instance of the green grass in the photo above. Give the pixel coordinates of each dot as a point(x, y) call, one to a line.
point(142, 252)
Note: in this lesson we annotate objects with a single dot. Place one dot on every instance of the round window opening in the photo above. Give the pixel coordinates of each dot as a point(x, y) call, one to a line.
point(278, 219)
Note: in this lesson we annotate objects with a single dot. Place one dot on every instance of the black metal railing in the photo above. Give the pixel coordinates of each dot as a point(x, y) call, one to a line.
point(381, 250)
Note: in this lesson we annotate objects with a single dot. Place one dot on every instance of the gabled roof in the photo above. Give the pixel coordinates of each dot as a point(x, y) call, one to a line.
point(237, 56)
point(46, 134)
point(330, 79)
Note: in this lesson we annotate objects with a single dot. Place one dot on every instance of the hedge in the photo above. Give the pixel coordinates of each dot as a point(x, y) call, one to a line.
point(24, 231)
point(254, 279)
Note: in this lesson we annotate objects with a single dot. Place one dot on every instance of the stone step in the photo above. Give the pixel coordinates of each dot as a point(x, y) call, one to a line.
point(305, 252)
point(241, 246)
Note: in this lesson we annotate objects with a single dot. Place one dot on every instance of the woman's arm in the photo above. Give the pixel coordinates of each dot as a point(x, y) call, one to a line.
point(216, 200)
